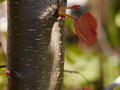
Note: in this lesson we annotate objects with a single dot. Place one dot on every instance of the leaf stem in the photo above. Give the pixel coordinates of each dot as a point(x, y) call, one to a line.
point(64, 14)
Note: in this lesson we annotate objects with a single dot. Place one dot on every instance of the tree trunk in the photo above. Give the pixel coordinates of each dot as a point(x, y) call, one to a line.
point(35, 50)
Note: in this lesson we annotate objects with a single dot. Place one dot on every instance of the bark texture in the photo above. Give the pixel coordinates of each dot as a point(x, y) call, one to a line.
point(35, 48)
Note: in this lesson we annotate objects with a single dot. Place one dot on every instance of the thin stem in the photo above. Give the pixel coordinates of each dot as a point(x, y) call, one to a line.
point(2, 66)
point(78, 73)
point(64, 14)
point(69, 16)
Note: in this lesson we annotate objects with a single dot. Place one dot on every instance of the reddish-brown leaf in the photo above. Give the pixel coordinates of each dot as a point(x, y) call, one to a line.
point(86, 28)
point(86, 89)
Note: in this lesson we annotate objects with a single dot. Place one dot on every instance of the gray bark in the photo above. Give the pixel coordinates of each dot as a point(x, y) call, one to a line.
point(35, 50)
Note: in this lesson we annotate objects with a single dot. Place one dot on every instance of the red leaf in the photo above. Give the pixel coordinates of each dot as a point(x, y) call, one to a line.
point(86, 89)
point(75, 7)
point(86, 28)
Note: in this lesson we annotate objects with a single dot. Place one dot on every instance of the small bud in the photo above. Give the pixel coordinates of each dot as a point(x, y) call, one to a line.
point(7, 72)
point(61, 9)
point(62, 16)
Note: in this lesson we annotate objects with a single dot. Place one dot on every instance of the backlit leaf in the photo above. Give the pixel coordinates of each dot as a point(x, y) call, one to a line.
point(86, 28)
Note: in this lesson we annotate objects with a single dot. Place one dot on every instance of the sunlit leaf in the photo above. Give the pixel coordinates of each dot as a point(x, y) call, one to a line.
point(86, 28)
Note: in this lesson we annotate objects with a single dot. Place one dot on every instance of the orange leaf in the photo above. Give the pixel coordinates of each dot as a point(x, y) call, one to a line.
point(86, 28)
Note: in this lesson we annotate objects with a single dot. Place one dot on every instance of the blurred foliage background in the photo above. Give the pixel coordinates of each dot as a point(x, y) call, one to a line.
point(100, 63)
